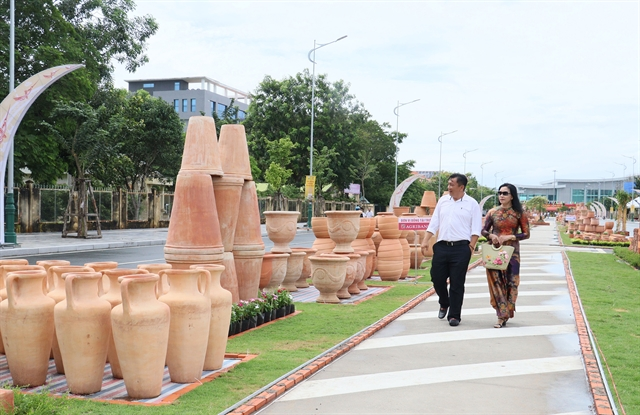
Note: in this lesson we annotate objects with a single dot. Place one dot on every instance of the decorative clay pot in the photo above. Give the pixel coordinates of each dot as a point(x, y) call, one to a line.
point(343, 229)
point(388, 226)
point(360, 271)
point(248, 265)
point(405, 256)
point(328, 274)
point(400, 210)
point(370, 262)
point(48, 264)
point(350, 276)
point(83, 328)
point(11, 265)
point(162, 286)
point(281, 228)
point(248, 236)
point(416, 256)
point(429, 200)
point(141, 333)
point(294, 270)
point(26, 323)
point(228, 190)
point(99, 267)
point(390, 261)
point(306, 267)
point(278, 270)
point(320, 227)
point(229, 279)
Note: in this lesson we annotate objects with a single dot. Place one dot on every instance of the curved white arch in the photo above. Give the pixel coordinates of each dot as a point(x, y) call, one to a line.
point(484, 200)
point(614, 199)
point(397, 194)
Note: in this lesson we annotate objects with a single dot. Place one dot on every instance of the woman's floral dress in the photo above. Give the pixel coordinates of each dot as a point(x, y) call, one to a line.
point(503, 285)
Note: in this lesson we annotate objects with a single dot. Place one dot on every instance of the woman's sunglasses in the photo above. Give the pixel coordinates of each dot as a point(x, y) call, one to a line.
point(504, 193)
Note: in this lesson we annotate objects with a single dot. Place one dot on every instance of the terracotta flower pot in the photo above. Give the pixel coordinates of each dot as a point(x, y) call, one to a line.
point(343, 229)
point(83, 328)
point(328, 274)
point(234, 151)
point(323, 246)
point(26, 323)
point(388, 227)
point(372, 256)
point(350, 276)
point(141, 333)
point(281, 228)
point(306, 267)
point(248, 265)
point(406, 256)
point(294, 270)
point(162, 286)
point(228, 190)
point(278, 265)
point(201, 153)
point(415, 256)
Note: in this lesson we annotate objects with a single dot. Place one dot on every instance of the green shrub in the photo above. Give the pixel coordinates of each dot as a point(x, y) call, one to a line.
point(40, 403)
point(599, 243)
point(628, 256)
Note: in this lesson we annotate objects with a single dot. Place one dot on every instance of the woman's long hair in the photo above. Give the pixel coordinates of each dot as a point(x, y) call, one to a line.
point(515, 203)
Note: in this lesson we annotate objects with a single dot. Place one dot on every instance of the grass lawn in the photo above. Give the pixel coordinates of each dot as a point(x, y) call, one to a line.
point(566, 241)
point(281, 347)
point(610, 294)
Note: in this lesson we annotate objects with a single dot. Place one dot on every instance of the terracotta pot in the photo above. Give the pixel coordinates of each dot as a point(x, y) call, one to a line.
point(328, 274)
point(306, 266)
point(141, 333)
point(194, 233)
point(415, 256)
point(421, 211)
point(344, 226)
point(406, 256)
point(220, 319)
point(608, 225)
point(376, 238)
point(248, 265)
point(189, 328)
point(400, 210)
point(320, 227)
point(294, 270)
point(48, 264)
point(390, 261)
point(83, 328)
point(429, 199)
point(234, 151)
point(281, 228)
point(201, 153)
point(227, 191)
point(350, 276)
point(388, 227)
point(323, 246)
point(114, 297)
point(229, 278)
point(361, 272)
point(162, 286)
point(26, 323)
point(99, 267)
point(248, 236)
point(278, 270)
point(59, 293)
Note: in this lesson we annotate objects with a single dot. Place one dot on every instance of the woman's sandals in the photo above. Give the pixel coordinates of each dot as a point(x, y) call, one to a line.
point(501, 323)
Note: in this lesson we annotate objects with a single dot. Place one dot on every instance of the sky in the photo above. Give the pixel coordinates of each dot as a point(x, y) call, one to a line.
point(529, 86)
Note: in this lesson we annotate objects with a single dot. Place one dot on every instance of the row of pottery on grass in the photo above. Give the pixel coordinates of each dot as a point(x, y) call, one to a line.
point(136, 324)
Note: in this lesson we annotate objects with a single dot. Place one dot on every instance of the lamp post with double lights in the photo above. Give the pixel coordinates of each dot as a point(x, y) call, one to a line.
point(482, 169)
point(395, 111)
point(464, 171)
point(10, 236)
point(316, 46)
point(440, 164)
point(633, 167)
point(555, 196)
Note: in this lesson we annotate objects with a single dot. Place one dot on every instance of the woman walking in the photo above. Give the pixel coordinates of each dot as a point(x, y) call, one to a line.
point(506, 225)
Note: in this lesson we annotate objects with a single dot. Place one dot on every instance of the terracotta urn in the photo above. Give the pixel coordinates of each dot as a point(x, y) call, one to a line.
point(350, 276)
point(114, 297)
point(83, 328)
point(323, 246)
point(388, 226)
point(429, 200)
point(294, 270)
point(189, 327)
point(99, 267)
point(390, 260)
point(306, 267)
point(48, 264)
point(141, 333)
point(248, 265)
point(415, 256)
point(265, 270)
point(361, 272)
point(361, 240)
point(372, 258)
point(320, 227)
point(234, 151)
point(201, 152)
point(344, 226)
point(228, 190)
point(328, 274)
point(400, 210)
point(405, 256)
point(281, 228)
point(278, 270)
point(26, 323)
point(162, 286)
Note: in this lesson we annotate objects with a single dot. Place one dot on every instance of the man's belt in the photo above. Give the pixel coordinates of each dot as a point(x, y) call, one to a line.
point(454, 243)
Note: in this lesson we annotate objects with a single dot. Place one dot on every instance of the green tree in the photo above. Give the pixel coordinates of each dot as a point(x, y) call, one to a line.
point(623, 198)
point(277, 173)
point(537, 203)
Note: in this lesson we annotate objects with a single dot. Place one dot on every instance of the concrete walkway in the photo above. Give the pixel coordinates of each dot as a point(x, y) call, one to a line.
point(418, 364)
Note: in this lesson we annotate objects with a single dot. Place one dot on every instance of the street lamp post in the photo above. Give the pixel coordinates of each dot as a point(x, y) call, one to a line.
point(633, 167)
point(555, 196)
point(313, 102)
point(10, 236)
point(624, 169)
point(465, 159)
point(395, 111)
point(482, 169)
point(440, 165)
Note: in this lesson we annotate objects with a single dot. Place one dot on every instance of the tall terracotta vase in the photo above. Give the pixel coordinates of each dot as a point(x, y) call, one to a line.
point(306, 267)
point(26, 323)
point(281, 228)
point(162, 286)
point(83, 327)
point(114, 297)
point(294, 270)
point(328, 274)
point(371, 262)
point(343, 226)
point(3, 275)
point(201, 152)
point(278, 270)
point(48, 264)
point(248, 265)
point(228, 190)
point(229, 278)
point(99, 267)
point(390, 254)
point(189, 328)
point(141, 334)
point(234, 151)
point(405, 254)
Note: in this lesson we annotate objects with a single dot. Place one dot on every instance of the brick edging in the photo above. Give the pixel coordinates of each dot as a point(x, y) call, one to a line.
point(602, 405)
point(277, 390)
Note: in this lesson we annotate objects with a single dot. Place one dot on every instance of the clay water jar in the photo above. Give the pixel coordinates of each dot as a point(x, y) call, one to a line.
point(227, 191)
point(141, 333)
point(99, 267)
point(429, 200)
point(201, 153)
point(294, 270)
point(162, 286)
point(26, 323)
point(11, 264)
point(83, 328)
point(189, 327)
point(343, 229)
point(234, 151)
point(48, 264)
point(281, 228)
point(306, 267)
point(390, 260)
point(278, 270)
point(328, 274)
point(114, 297)
point(194, 233)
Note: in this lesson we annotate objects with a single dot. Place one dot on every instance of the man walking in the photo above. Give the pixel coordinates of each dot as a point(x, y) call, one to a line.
point(458, 221)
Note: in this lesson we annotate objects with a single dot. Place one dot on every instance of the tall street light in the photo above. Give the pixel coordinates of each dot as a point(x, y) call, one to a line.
point(495, 179)
point(440, 165)
point(316, 46)
point(555, 196)
point(395, 111)
point(633, 167)
point(464, 171)
point(624, 169)
point(482, 169)
point(10, 236)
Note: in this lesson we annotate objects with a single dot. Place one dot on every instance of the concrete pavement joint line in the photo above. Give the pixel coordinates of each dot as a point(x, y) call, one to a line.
point(437, 375)
point(463, 335)
point(487, 311)
point(520, 294)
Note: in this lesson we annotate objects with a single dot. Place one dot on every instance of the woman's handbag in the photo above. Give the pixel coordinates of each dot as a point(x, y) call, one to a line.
point(496, 258)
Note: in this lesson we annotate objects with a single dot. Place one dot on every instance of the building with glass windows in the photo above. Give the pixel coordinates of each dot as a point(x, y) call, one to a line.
point(573, 190)
point(191, 96)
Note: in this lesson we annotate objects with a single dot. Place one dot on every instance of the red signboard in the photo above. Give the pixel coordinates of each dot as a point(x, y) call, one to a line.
point(413, 224)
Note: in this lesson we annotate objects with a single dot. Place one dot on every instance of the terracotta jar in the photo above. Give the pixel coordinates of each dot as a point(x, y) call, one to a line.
point(390, 260)
point(220, 318)
point(229, 278)
point(361, 268)
point(343, 229)
point(48, 264)
point(194, 232)
point(228, 190)
point(59, 293)
point(360, 242)
point(162, 286)
point(11, 264)
point(320, 227)
point(248, 265)
point(306, 267)
point(416, 257)
point(99, 267)
point(371, 262)
point(201, 153)
point(234, 151)
point(400, 210)
point(248, 236)
point(83, 327)
point(114, 297)
point(141, 334)
point(388, 227)
point(278, 270)
point(189, 328)
point(6, 269)
point(281, 228)
point(429, 200)
point(421, 211)
point(294, 270)
point(350, 276)
point(323, 246)
point(265, 271)
point(372, 247)
point(608, 225)
point(26, 323)
point(405, 255)
point(328, 274)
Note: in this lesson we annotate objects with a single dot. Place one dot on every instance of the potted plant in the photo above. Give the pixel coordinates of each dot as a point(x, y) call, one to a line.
point(267, 306)
point(281, 302)
point(234, 326)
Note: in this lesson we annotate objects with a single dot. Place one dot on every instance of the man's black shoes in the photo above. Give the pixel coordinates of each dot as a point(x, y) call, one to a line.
point(442, 312)
point(453, 322)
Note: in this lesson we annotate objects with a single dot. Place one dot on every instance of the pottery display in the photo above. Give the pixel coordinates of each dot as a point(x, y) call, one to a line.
point(361, 269)
point(390, 260)
point(281, 228)
point(26, 323)
point(429, 200)
point(83, 328)
point(388, 226)
point(48, 264)
point(416, 256)
point(234, 151)
point(400, 210)
point(278, 270)
point(162, 286)
point(229, 279)
point(350, 276)
point(306, 267)
point(294, 270)
point(190, 313)
point(328, 274)
point(141, 333)
point(201, 153)
point(319, 226)
point(248, 265)
point(344, 226)
point(99, 267)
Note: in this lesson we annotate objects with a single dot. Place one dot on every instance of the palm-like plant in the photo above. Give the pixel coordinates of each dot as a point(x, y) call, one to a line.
point(623, 198)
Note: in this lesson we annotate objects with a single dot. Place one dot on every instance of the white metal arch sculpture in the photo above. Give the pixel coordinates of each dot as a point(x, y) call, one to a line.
point(396, 197)
point(484, 200)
